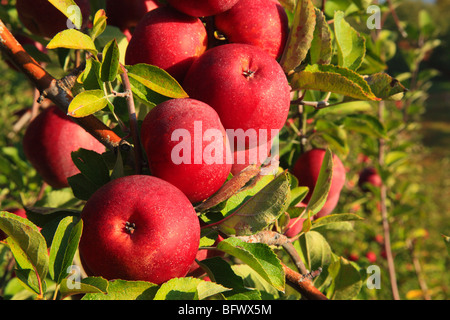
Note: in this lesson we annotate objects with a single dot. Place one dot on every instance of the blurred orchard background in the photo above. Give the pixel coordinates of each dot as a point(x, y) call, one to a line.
point(415, 37)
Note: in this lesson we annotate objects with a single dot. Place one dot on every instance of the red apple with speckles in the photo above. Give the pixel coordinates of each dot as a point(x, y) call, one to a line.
point(187, 146)
point(139, 228)
point(49, 142)
point(125, 14)
point(370, 176)
point(167, 39)
point(246, 86)
point(262, 23)
point(307, 169)
point(41, 18)
point(202, 8)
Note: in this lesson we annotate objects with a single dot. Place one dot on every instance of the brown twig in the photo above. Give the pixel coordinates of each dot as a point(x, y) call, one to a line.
point(303, 284)
point(133, 120)
point(385, 216)
point(51, 88)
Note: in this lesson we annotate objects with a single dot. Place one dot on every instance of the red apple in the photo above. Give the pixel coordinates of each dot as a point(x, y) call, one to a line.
point(167, 39)
point(262, 23)
point(371, 256)
point(125, 14)
point(370, 176)
point(307, 169)
point(139, 228)
point(187, 146)
point(202, 8)
point(247, 88)
point(41, 18)
point(17, 211)
point(49, 141)
point(353, 257)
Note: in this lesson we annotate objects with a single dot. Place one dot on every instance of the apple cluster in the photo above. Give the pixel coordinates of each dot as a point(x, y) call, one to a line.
point(225, 55)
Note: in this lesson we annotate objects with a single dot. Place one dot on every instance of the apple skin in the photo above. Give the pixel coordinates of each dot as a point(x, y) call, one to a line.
point(262, 23)
point(125, 14)
point(169, 40)
point(139, 228)
point(245, 85)
point(202, 8)
point(197, 179)
point(49, 141)
point(17, 211)
point(41, 18)
point(371, 256)
point(307, 169)
point(371, 176)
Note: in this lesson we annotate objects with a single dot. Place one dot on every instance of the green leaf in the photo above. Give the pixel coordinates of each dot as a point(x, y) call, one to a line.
point(334, 218)
point(346, 108)
point(335, 135)
point(259, 257)
point(321, 47)
point(64, 246)
point(110, 61)
point(335, 79)
point(297, 195)
point(365, 123)
point(323, 184)
point(65, 7)
point(89, 285)
point(87, 103)
point(300, 36)
point(221, 272)
point(90, 77)
point(316, 249)
point(92, 165)
point(188, 289)
point(261, 210)
point(99, 24)
point(156, 79)
point(386, 87)
point(346, 282)
point(109, 34)
point(73, 39)
point(125, 290)
point(82, 187)
point(447, 243)
point(27, 245)
point(351, 45)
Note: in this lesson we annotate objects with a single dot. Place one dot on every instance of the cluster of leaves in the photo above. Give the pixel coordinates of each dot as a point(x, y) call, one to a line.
point(322, 65)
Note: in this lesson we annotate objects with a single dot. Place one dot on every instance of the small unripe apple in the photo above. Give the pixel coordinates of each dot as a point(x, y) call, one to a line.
point(307, 169)
point(41, 18)
point(262, 23)
point(371, 176)
point(202, 8)
point(139, 228)
point(187, 146)
point(125, 14)
point(246, 86)
point(168, 39)
point(49, 142)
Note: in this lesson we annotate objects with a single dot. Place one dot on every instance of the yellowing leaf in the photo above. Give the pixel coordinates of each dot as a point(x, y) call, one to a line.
point(72, 39)
point(87, 103)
